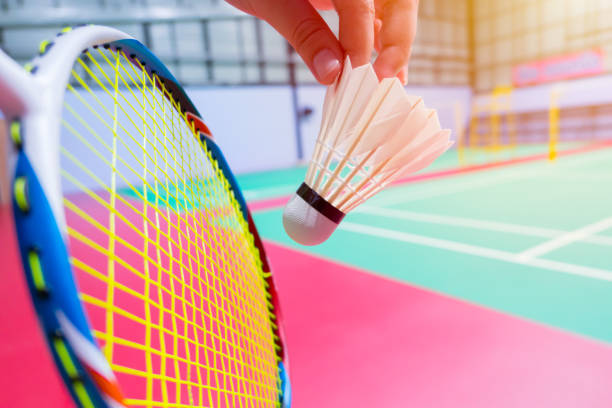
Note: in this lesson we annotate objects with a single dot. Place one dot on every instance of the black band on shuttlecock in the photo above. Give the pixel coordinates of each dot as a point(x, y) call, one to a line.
point(319, 203)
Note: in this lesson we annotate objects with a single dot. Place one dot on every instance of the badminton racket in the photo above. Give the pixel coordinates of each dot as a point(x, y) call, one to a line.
point(142, 260)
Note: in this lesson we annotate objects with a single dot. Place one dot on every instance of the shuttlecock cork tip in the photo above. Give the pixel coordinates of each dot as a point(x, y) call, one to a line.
point(308, 218)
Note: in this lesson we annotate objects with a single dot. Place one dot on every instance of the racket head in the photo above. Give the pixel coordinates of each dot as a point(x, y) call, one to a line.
point(32, 104)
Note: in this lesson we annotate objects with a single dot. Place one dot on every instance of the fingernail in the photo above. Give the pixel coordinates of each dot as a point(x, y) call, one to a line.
point(325, 64)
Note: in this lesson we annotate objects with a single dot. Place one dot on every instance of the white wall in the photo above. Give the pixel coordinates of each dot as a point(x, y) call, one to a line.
point(255, 125)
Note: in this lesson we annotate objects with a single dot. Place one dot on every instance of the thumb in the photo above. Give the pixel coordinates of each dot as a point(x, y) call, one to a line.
point(307, 32)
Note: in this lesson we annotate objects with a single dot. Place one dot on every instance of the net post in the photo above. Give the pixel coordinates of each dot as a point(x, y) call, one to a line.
point(501, 110)
point(459, 118)
point(473, 138)
point(553, 123)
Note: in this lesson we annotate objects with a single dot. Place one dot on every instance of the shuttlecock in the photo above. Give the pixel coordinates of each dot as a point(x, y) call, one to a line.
point(371, 134)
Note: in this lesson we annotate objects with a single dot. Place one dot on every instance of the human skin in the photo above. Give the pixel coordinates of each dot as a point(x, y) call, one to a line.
point(388, 26)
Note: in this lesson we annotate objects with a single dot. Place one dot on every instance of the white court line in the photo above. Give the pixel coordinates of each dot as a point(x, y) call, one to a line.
point(460, 222)
point(474, 223)
point(494, 179)
point(583, 271)
point(566, 239)
point(458, 187)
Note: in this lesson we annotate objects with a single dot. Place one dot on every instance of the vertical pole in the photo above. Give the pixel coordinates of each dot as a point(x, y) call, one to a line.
point(471, 37)
point(174, 45)
point(210, 74)
point(553, 124)
point(260, 51)
point(471, 42)
point(494, 126)
point(241, 51)
point(294, 99)
point(501, 111)
point(459, 117)
point(146, 34)
point(511, 122)
point(474, 124)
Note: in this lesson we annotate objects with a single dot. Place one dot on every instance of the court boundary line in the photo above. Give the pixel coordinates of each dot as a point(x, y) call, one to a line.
point(468, 249)
point(486, 180)
point(473, 223)
point(566, 239)
point(276, 202)
point(461, 186)
point(503, 163)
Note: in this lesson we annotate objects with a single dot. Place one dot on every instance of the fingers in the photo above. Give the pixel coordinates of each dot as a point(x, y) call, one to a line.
point(399, 21)
point(303, 27)
point(356, 29)
point(390, 29)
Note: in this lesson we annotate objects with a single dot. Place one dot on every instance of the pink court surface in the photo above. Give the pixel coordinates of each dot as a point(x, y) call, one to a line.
point(357, 339)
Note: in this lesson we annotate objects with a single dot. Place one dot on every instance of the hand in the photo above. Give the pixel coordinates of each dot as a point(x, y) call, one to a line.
point(387, 25)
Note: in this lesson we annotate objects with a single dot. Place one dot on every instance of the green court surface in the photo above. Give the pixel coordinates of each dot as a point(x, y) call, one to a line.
point(263, 185)
point(531, 239)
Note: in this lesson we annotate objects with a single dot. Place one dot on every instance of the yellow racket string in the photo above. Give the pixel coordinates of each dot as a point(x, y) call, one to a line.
point(89, 219)
point(141, 179)
point(181, 269)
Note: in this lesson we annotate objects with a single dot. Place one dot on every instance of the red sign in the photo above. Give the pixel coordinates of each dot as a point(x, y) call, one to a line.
point(568, 66)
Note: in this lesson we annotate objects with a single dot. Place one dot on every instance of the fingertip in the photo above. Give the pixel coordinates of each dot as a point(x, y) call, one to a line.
point(403, 76)
point(326, 66)
point(308, 34)
point(391, 61)
point(356, 29)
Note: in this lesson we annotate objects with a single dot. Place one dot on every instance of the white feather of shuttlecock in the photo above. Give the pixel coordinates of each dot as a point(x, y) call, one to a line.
point(371, 134)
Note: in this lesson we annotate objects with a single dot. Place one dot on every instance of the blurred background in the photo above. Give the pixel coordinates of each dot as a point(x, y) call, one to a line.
point(493, 69)
point(486, 280)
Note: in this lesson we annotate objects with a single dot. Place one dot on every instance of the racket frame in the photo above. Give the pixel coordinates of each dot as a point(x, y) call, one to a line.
point(31, 101)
